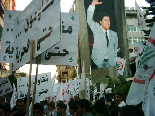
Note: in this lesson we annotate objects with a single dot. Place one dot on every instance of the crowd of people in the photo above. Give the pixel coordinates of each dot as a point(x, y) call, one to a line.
point(75, 107)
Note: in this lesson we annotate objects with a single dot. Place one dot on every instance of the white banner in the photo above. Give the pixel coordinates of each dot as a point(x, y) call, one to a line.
point(5, 86)
point(66, 51)
point(7, 45)
point(120, 65)
point(40, 21)
point(138, 48)
point(145, 71)
point(43, 85)
point(140, 14)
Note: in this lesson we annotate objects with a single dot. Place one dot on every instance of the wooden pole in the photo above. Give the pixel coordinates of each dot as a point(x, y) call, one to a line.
point(29, 87)
point(34, 90)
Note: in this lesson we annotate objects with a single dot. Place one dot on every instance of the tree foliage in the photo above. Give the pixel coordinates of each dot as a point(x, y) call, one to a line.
point(149, 11)
point(120, 85)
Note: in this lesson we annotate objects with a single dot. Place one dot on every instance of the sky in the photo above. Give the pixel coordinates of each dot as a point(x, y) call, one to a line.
point(21, 5)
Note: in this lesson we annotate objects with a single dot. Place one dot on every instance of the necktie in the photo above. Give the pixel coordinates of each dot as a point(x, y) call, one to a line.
point(107, 39)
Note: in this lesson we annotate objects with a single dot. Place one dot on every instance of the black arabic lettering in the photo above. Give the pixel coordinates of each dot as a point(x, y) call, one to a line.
point(17, 55)
point(44, 37)
point(38, 82)
point(44, 91)
point(24, 50)
point(31, 21)
point(26, 29)
point(69, 30)
point(8, 49)
point(7, 90)
point(21, 94)
point(49, 54)
point(50, 3)
point(1, 91)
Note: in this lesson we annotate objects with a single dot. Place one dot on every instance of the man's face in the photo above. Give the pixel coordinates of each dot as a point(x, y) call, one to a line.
point(20, 107)
point(105, 23)
point(130, 50)
point(49, 107)
point(37, 112)
point(2, 113)
point(79, 110)
point(71, 111)
point(59, 111)
point(118, 99)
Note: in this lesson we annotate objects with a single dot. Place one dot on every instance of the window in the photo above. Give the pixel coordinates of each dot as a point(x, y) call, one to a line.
point(135, 39)
point(131, 27)
point(130, 40)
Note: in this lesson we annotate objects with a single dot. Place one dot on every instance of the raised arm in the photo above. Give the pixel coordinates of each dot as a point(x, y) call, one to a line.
point(95, 2)
point(90, 13)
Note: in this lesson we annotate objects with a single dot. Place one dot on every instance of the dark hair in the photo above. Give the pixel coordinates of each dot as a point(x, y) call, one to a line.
point(45, 102)
point(120, 94)
point(38, 106)
point(103, 14)
point(61, 105)
point(73, 105)
point(131, 110)
point(5, 107)
point(84, 103)
point(52, 104)
point(100, 106)
point(25, 99)
point(20, 100)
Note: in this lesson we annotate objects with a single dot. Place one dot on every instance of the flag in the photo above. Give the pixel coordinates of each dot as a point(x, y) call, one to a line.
point(90, 77)
point(37, 100)
point(14, 97)
point(83, 86)
point(145, 71)
point(138, 48)
point(140, 14)
point(120, 64)
point(149, 99)
point(60, 93)
point(102, 88)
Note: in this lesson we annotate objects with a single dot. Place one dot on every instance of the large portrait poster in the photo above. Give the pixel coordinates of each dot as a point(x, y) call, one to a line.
point(102, 33)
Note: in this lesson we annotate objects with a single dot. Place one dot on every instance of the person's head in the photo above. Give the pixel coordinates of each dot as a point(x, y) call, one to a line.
point(118, 98)
point(38, 109)
point(72, 107)
point(104, 20)
point(25, 100)
point(61, 108)
point(20, 105)
point(83, 106)
point(4, 110)
point(51, 105)
point(100, 107)
point(131, 110)
point(130, 50)
point(45, 102)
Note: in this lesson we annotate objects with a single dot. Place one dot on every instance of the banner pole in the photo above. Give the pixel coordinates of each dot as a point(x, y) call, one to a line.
point(34, 89)
point(29, 87)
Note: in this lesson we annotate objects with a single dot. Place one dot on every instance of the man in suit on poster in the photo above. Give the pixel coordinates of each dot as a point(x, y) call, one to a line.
point(105, 44)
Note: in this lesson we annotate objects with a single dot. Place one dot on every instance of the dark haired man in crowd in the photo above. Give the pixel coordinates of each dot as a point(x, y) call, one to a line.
point(119, 100)
point(21, 109)
point(73, 107)
point(83, 107)
point(38, 109)
point(61, 108)
point(132, 58)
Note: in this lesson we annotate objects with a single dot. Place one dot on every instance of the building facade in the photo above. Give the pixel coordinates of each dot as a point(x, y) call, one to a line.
point(134, 33)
